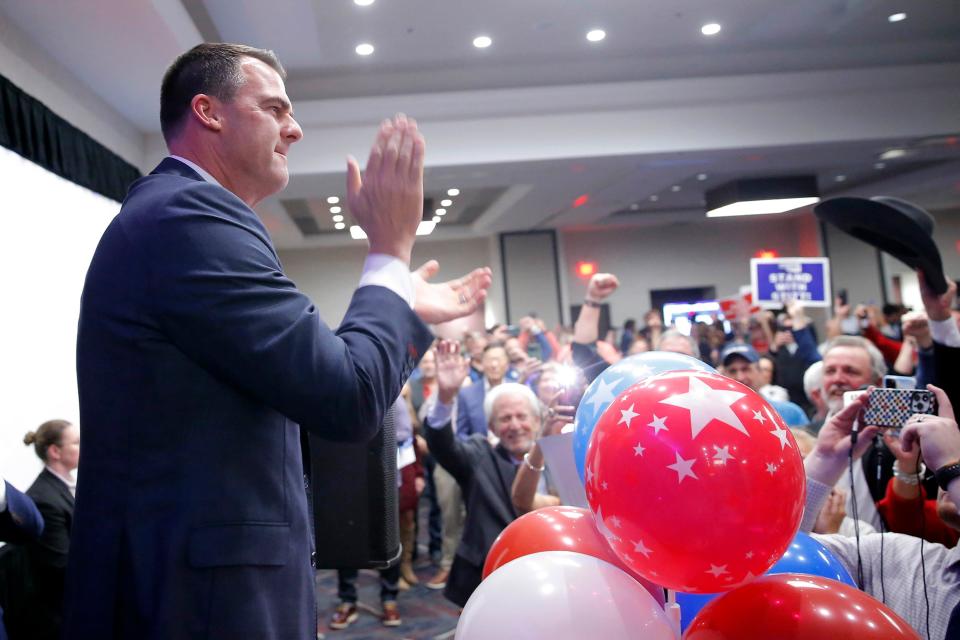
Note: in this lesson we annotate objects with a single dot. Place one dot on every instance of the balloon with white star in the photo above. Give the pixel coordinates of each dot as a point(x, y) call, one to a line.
point(695, 481)
point(613, 381)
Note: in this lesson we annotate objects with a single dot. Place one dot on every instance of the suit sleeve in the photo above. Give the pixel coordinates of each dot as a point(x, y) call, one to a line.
point(451, 453)
point(21, 521)
point(55, 541)
point(946, 363)
point(465, 426)
point(220, 294)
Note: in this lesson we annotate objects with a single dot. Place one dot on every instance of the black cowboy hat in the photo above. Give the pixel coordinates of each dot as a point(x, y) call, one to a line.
point(894, 226)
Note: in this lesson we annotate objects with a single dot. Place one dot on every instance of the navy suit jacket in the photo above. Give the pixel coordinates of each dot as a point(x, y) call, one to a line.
point(21, 521)
point(198, 364)
point(470, 416)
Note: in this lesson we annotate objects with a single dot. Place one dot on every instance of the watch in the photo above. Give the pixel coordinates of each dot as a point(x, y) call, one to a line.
point(592, 303)
point(947, 474)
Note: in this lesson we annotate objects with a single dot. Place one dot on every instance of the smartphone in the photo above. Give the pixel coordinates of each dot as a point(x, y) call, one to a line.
point(893, 407)
point(850, 396)
point(899, 382)
point(842, 294)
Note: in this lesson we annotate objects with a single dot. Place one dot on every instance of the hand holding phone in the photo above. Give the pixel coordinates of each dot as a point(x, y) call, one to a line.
point(893, 407)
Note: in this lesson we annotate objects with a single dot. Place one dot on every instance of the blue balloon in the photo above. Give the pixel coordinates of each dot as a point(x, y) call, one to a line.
point(613, 381)
point(804, 555)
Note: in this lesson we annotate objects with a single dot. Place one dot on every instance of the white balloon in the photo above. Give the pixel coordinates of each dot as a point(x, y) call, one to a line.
point(561, 595)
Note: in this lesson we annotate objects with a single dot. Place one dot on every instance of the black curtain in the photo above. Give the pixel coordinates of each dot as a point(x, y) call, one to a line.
point(30, 129)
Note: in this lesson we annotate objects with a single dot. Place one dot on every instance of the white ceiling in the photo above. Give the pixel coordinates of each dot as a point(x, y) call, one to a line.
point(543, 116)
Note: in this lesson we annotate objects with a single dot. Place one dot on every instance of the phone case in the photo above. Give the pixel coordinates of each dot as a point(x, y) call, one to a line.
point(893, 407)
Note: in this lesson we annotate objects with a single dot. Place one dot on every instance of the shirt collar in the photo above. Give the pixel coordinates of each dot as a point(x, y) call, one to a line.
point(69, 481)
point(200, 170)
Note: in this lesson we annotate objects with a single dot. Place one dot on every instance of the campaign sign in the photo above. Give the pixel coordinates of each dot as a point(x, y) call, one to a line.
point(776, 281)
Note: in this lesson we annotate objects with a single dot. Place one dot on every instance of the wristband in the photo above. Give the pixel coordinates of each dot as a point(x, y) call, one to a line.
point(526, 461)
point(591, 303)
point(947, 474)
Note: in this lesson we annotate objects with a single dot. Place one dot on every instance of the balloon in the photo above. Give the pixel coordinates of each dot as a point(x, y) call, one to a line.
point(561, 595)
point(615, 379)
point(557, 529)
point(695, 481)
point(804, 555)
point(797, 607)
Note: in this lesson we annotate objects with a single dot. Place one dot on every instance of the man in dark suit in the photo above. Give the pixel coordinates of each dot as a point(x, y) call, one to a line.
point(470, 417)
point(199, 362)
point(484, 472)
point(20, 523)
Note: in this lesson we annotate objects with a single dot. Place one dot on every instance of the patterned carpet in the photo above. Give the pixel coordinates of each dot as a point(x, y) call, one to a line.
point(426, 614)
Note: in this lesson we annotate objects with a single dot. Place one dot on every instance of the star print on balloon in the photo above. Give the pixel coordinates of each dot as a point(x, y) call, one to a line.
point(712, 494)
point(614, 380)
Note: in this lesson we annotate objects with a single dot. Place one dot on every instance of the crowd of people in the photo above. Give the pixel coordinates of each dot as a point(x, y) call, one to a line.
point(200, 370)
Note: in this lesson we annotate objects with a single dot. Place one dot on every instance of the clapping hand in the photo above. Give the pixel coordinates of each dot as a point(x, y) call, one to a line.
point(443, 301)
point(387, 201)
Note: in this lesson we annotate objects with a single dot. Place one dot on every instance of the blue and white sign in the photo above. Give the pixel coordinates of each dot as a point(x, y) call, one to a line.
point(776, 281)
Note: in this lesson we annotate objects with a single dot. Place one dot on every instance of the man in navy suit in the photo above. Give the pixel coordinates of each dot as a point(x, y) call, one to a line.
point(470, 416)
point(199, 362)
point(20, 523)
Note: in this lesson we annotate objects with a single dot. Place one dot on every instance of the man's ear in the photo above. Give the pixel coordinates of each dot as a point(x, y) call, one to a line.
point(207, 111)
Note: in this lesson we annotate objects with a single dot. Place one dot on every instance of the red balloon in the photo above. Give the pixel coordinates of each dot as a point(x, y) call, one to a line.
point(791, 606)
point(556, 529)
point(695, 481)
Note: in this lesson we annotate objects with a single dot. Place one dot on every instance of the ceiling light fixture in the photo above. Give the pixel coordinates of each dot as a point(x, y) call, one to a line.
point(363, 3)
point(364, 49)
point(425, 228)
point(441, 212)
point(446, 202)
point(701, 177)
point(482, 42)
point(453, 192)
point(339, 225)
point(335, 209)
point(893, 154)
point(338, 218)
point(333, 200)
point(841, 178)
point(675, 188)
point(759, 196)
point(896, 17)
point(634, 207)
point(710, 29)
point(654, 198)
point(879, 165)
point(436, 219)
point(596, 35)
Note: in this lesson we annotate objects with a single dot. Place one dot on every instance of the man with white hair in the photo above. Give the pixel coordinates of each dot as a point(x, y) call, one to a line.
point(484, 470)
point(851, 363)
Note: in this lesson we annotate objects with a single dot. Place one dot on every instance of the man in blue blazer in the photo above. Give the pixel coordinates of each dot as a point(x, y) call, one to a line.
point(199, 362)
point(20, 522)
point(470, 416)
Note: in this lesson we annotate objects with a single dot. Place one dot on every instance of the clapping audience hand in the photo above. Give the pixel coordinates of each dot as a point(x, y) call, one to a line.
point(601, 285)
point(452, 369)
point(832, 514)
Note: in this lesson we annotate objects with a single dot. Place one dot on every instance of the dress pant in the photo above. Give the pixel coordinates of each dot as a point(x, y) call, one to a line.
point(451, 507)
point(347, 584)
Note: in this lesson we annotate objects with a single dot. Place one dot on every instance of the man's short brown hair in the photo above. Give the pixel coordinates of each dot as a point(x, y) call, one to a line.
point(212, 68)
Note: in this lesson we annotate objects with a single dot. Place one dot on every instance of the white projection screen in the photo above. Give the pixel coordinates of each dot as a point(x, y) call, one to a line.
point(51, 229)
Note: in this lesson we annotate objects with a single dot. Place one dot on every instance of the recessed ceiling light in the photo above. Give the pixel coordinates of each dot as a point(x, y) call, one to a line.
point(446, 202)
point(841, 178)
point(363, 3)
point(339, 225)
point(897, 17)
point(437, 219)
point(333, 200)
point(482, 42)
point(338, 218)
point(364, 49)
point(701, 177)
point(441, 212)
point(892, 154)
point(634, 206)
point(710, 29)
point(879, 165)
point(654, 198)
point(596, 35)
point(675, 188)
point(453, 192)
point(335, 209)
